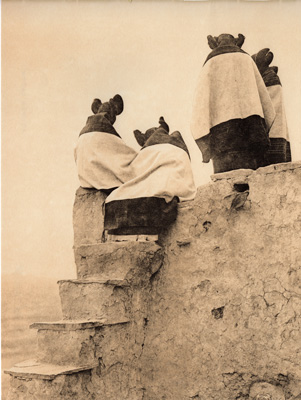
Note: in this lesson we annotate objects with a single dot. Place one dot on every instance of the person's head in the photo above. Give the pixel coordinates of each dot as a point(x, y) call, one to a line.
point(225, 39)
point(111, 108)
point(263, 59)
point(143, 137)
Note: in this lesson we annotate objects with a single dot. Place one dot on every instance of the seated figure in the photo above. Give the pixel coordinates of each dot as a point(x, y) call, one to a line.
point(102, 157)
point(232, 111)
point(162, 177)
point(279, 150)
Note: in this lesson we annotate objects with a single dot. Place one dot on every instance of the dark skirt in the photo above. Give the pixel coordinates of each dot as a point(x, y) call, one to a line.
point(279, 152)
point(144, 215)
point(235, 144)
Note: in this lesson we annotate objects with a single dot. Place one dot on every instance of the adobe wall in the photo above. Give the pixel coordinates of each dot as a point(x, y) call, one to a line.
point(220, 318)
point(225, 308)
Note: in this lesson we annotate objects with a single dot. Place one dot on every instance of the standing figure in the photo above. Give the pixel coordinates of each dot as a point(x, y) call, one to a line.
point(280, 150)
point(103, 159)
point(232, 111)
point(163, 177)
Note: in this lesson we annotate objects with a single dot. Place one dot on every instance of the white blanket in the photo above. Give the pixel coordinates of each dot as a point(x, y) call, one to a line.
point(229, 86)
point(103, 160)
point(161, 170)
point(279, 128)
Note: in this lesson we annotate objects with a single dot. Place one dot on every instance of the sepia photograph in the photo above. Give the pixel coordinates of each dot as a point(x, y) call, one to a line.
point(151, 200)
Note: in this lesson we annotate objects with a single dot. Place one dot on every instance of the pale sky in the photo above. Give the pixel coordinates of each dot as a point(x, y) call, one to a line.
point(58, 56)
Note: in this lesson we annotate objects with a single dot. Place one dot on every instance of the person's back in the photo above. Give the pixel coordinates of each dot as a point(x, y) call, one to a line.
point(280, 150)
point(163, 177)
point(103, 159)
point(232, 110)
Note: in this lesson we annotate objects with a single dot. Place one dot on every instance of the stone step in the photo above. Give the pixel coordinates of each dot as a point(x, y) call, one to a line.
point(110, 379)
point(94, 299)
point(34, 369)
point(73, 342)
point(33, 380)
point(131, 238)
point(74, 325)
point(131, 261)
point(67, 325)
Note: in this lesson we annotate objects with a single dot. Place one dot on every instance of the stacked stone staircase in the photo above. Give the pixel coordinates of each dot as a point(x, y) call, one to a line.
point(94, 351)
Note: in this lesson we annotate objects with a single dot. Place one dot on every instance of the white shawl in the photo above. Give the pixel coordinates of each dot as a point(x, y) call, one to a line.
point(161, 170)
point(229, 87)
point(279, 128)
point(103, 160)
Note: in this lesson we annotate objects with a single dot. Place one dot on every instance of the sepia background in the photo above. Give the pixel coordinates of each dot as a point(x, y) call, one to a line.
point(57, 56)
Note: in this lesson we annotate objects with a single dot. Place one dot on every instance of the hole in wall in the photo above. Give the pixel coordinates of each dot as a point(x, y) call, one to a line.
point(218, 313)
point(283, 379)
point(241, 187)
point(207, 225)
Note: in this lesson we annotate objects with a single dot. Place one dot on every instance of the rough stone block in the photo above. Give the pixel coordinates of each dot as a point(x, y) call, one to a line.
point(131, 261)
point(64, 385)
point(73, 342)
point(88, 217)
point(76, 346)
point(66, 347)
point(94, 299)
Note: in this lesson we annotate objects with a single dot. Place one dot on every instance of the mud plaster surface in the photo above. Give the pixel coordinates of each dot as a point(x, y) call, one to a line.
point(215, 315)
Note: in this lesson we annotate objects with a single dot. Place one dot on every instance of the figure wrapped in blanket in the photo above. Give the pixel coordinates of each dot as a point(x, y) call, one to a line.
point(103, 159)
point(162, 177)
point(232, 111)
point(280, 149)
